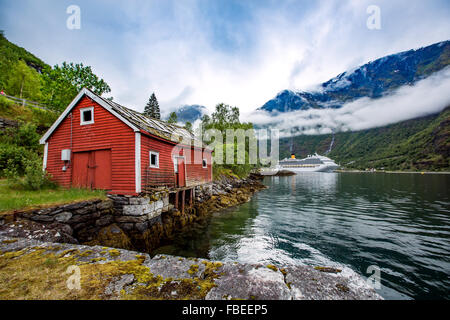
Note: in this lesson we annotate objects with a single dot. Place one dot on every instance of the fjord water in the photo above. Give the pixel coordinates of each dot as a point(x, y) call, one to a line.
point(398, 222)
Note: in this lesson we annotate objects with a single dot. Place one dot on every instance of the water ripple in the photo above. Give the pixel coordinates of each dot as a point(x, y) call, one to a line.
point(399, 222)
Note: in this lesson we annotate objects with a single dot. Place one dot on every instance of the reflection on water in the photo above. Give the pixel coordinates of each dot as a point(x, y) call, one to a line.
point(399, 222)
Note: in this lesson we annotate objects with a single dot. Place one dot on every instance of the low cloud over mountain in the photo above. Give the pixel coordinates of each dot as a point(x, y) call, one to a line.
point(427, 96)
point(390, 89)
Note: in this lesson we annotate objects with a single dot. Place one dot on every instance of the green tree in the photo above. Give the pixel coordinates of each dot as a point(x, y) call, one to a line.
point(188, 126)
point(62, 83)
point(10, 54)
point(227, 117)
point(81, 76)
point(173, 118)
point(152, 108)
point(206, 121)
point(24, 82)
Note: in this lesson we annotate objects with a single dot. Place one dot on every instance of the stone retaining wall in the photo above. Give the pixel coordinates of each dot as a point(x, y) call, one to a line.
point(5, 123)
point(84, 219)
point(139, 213)
point(81, 219)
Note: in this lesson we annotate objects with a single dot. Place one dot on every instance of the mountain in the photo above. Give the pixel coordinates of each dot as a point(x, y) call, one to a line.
point(190, 113)
point(416, 144)
point(372, 80)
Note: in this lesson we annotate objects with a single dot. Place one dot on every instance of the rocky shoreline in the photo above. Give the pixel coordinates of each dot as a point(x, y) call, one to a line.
point(31, 269)
point(133, 223)
point(39, 248)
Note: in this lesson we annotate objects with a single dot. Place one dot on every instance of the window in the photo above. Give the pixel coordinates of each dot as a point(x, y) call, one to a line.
point(87, 116)
point(154, 159)
point(204, 163)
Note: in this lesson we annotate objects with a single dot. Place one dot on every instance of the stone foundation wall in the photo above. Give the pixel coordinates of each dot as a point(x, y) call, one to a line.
point(84, 219)
point(139, 213)
point(204, 192)
point(81, 219)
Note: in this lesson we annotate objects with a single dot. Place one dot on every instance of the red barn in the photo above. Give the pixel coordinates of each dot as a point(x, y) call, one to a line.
point(99, 144)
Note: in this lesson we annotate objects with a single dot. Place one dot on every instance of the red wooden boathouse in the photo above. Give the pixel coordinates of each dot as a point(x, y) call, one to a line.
point(99, 144)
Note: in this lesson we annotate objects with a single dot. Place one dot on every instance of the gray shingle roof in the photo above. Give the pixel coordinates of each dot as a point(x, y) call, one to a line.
point(154, 126)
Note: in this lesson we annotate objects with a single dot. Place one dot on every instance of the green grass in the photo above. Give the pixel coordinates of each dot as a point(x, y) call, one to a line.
point(12, 111)
point(219, 171)
point(13, 199)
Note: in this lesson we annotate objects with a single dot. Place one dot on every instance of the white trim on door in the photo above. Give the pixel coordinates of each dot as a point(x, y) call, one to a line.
point(44, 163)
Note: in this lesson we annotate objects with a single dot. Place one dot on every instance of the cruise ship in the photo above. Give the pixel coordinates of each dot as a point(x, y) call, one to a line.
point(312, 163)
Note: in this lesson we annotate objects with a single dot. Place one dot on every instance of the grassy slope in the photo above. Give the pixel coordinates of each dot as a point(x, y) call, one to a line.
point(10, 54)
point(14, 199)
point(41, 118)
point(418, 144)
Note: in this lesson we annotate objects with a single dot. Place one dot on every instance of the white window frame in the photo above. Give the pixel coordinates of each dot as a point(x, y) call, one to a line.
point(206, 161)
point(82, 122)
point(150, 159)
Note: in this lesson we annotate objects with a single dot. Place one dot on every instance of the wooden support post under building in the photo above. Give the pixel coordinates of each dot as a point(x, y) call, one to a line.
point(191, 197)
point(176, 200)
point(183, 197)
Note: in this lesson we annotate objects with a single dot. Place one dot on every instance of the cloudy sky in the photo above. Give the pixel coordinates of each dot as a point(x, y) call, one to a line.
point(209, 51)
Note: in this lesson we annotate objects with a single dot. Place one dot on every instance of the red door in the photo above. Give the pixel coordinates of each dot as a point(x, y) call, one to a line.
point(181, 172)
point(102, 171)
point(80, 170)
point(92, 169)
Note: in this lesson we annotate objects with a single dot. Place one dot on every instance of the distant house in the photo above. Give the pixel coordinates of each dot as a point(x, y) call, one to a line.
point(99, 144)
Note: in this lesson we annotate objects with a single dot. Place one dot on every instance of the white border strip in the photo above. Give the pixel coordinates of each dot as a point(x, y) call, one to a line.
point(137, 162)
point(44, 164)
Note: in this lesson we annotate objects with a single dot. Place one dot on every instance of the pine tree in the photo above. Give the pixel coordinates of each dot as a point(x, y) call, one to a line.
point(152, 108)
point(156, 108)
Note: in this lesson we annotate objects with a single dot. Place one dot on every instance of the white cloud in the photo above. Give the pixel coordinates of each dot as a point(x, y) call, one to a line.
point(286, 53)
point(427, 96)
point(167, 46)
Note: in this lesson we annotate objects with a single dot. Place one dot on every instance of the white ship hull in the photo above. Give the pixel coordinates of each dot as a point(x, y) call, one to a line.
point(313, 163)
point(319, 168)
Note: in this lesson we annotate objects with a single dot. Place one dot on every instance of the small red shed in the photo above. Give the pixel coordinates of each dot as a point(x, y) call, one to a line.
point(99, 144)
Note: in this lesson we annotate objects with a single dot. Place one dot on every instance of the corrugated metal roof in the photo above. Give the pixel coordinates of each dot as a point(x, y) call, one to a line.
point(154, 126)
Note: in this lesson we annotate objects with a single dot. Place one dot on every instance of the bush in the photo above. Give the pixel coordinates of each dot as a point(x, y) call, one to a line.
point(23, 136)
point(5, 104)
point(13, 158)
point(43, 118)
point(26, 136)
point(34, 178)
